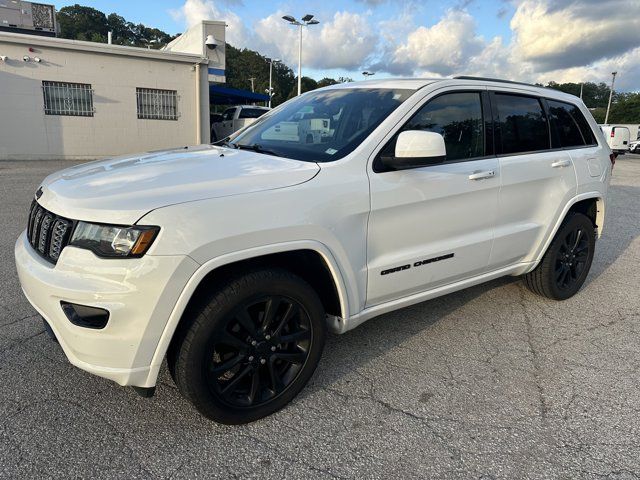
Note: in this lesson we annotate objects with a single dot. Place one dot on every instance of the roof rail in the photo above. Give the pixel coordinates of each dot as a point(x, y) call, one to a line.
point(499, 80)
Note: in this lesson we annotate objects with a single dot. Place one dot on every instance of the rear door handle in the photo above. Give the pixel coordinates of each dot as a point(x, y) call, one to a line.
point(482, 175)
point(561, 163)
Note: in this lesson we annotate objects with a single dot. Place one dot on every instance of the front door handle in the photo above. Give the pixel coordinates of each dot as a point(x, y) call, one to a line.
point(561, 163)
point(482, 175)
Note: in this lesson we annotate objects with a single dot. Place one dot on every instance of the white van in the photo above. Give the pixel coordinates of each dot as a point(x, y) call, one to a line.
point(617, 137)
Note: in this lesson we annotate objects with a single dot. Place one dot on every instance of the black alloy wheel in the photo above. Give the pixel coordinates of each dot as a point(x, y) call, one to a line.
point(248, 347)
point(572, 257)
point(259, 352)
point(566, 263)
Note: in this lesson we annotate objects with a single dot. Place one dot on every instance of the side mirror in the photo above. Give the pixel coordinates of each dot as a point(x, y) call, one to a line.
point(416, 148)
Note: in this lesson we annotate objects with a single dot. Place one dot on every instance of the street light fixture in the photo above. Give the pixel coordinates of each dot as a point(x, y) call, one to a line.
point(305, 21)
point(613, 80)
point(270, 91)
point(368, 74)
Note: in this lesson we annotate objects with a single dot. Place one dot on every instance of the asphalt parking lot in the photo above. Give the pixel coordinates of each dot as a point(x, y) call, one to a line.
point(490, 382)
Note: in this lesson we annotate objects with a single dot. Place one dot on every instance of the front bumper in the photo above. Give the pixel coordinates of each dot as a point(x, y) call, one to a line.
point(139, 294)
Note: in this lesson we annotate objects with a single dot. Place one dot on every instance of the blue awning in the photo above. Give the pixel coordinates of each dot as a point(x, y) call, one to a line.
point(219, 95)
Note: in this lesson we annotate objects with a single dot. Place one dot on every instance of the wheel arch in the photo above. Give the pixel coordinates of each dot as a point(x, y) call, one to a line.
point(591, 204)
point(295, 257)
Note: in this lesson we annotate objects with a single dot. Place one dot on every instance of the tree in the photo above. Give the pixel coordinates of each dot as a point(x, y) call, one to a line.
point(85, 23)
point(307, 84)
point(243, 64)
point(82, 23)
point(625, 107)
point(325, 82)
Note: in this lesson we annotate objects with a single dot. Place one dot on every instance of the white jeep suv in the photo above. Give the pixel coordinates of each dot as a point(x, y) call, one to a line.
point(232, 260)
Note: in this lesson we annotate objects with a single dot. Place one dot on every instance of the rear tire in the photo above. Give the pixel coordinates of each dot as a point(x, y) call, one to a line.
point(251, 347)
point(566, 264)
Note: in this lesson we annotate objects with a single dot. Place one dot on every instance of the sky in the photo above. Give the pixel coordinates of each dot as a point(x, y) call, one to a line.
point(523, 40)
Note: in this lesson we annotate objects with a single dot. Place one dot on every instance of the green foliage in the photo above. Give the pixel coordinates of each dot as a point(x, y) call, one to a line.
point(82, 23)
point(625, 107)
point(243, 64)
point(85, 23)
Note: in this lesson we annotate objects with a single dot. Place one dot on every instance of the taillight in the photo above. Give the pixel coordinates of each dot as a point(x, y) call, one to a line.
point(613, 133)
point(612, 157)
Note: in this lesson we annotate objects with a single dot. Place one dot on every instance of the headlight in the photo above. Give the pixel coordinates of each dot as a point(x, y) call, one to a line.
point(113, 241)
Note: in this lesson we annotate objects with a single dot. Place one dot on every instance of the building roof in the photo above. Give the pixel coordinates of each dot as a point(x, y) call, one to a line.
point(102, 48)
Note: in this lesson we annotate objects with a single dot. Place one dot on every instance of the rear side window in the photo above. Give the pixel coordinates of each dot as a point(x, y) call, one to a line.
point(565, 125)
point(458, 118)
point(523, 124)
point(251, 112)
point(572, 128)
point(587, 133)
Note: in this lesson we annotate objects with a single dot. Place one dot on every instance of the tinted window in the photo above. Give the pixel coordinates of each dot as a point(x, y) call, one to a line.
point(251, 112)
point(228, 114)
point(458, 118)
point(522, 123)
point(565, 125)
point(585, 129)
point(322, 126)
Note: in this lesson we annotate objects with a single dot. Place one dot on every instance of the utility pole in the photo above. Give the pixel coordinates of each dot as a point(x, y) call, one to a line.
point(581, 85)
point(613, 80)
point(252, 80)
point(271, 62)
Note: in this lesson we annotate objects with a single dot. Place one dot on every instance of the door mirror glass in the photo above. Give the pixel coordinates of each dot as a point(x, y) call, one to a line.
point(416, 148)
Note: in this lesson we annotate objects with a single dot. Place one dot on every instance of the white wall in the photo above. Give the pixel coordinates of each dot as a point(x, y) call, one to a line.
point(114, 72)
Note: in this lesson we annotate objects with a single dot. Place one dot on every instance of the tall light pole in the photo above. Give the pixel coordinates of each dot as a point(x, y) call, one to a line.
point(613, 80)
point(271, 62)
point(305, 21)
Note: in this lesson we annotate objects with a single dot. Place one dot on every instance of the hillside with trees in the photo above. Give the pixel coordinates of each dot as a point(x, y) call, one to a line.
point(78, 22)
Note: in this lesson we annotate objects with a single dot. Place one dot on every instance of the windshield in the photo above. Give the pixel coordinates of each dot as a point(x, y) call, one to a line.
point(321, 126)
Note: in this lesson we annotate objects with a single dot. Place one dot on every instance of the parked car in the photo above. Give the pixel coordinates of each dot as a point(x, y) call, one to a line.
point(634, 147)
point(617, 137)
point(235, 118)
point(232, 261)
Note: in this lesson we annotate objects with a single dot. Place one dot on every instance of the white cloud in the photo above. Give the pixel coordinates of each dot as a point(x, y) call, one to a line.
point(343, 42)
point(561, 40)
point(194, 11)
point(563, 34)
point(442, 48)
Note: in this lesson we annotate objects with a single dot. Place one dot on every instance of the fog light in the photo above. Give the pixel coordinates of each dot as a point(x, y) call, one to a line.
point(84, 316)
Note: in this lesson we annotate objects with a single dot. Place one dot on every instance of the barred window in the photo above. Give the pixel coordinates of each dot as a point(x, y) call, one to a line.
point(156, 104)
point(63, 98)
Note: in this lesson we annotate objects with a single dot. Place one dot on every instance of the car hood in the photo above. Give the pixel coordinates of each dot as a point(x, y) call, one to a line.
point(121, 190)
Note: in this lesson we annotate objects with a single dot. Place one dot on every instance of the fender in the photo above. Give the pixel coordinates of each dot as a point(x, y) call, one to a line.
point(599, 196)
point(211, 265)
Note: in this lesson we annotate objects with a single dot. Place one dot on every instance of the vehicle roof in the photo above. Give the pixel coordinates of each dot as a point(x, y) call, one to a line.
point(418, 83)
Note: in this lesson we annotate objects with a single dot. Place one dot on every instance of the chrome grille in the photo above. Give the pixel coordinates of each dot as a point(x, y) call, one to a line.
point(48, 233)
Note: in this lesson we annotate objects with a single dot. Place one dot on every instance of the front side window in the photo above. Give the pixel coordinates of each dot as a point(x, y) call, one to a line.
point(154, 104)
point(458, 118)
point(252, 112)
point(563, 122)
point(321, 126)
point(70, 99)
point(522, 123)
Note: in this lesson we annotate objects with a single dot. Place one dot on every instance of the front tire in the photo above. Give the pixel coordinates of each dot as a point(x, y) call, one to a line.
point(251, 347)
point(566, 264)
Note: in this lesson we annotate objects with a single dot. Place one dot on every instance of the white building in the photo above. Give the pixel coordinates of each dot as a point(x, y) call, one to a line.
point(65, 99)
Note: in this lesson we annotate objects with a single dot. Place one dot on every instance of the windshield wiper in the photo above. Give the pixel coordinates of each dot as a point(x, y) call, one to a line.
point(225, 143)
point(257, 148)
